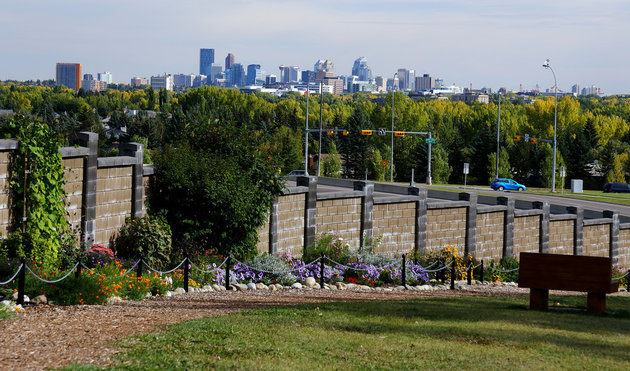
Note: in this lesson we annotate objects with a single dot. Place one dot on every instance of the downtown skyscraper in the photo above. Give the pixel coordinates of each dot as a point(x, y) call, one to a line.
point(206, 59)
point(69, 75)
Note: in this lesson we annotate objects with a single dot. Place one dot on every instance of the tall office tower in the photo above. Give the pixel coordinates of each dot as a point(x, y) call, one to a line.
point(575, 89)
point(229, 61)
point(361, 69)
point(308, 76)
point(235, 75)
point(425, 82)
point(214, 71)
point(271, 79)
point(406, 78)
point(293, 73)
point(69, 75)
point(284, 75)
point(254, 74)
point(381, 84)
point(324, 69)
point(206, 59)
point(104, 77)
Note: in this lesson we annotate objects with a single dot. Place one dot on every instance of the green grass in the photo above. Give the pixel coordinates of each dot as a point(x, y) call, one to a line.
point(435, 333)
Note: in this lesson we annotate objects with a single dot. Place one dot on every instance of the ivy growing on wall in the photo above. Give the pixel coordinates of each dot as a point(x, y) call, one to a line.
point(37, 181)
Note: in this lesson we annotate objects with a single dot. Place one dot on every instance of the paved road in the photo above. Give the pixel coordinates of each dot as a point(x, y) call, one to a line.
point(592, 209)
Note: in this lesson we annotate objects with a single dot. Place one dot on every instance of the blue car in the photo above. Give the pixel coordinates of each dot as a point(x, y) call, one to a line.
point(507, 185)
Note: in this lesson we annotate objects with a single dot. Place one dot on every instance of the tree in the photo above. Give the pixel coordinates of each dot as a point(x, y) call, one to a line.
point(331, 164)
point(356, 148)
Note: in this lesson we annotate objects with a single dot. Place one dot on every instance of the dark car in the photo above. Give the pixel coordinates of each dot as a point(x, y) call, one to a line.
point(617, 188)
point(507, 184)
point(298, 173)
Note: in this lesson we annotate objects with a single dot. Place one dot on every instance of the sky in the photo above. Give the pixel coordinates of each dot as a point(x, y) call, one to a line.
point(486, 43)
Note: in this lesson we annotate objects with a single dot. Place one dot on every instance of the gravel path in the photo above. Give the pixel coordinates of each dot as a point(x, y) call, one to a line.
point(52, 336)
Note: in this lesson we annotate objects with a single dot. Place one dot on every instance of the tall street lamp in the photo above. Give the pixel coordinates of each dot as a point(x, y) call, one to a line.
point(391, 161)
point(555, 119)
point(496, 174)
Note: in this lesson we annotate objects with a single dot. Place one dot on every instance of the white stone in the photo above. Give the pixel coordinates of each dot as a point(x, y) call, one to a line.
point(399, 288)
point(26, 298)
point(341, 285)
point(168, 294)
point(41, 299)
point(316, 286)
point(179, 291)
point(310, 281)
point(388, 289)
point(273, 288)
point(148, 295)
point(261, 286)
point(240, 286)
point(332, 287)
point(296, 285)
point(425, 288)
point(115, 299)
point(216, 287)
point(351, 286)
point(251, 286)
point(208, 288)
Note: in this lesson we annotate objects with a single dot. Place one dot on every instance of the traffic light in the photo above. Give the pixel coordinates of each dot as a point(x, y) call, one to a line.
point(330, 132)
point(399, 133)
point(533, 140)
point(517, 138)
point(345, 132)
point(366, 132)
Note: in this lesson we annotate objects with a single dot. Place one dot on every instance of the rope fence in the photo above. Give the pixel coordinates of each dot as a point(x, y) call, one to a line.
point(440, 272)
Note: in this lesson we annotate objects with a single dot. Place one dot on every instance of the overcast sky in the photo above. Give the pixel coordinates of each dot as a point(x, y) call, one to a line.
point(491, 43)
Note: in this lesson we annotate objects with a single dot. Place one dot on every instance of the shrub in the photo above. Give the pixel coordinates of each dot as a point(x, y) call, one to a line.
point(272, 263)
point(148, 237)
point(329, 244)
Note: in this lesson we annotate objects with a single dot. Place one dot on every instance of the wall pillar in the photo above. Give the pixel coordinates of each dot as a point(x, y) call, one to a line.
point(273, 228)
point(508, 226)
point(135, 150)
point(543, 227)
point(578, 228)
point(367, 209)
point(471, 222)
point(613, 247)
point(310, 209)
point(88, 204)
point(420, 238)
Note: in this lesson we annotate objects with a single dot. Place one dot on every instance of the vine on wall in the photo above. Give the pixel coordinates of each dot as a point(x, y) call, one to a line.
point(37, 181)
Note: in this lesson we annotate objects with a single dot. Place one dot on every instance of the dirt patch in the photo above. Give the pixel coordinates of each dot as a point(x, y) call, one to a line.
point(51, 336)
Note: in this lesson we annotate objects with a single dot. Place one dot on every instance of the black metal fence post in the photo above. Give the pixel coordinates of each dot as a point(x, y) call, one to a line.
point(139, 270)
point(404, 271)
point(21, 282)
point(227, 273)
point(481, 272)
point(628, 281)
point(453, 273)
point(77, 273)
point(441, 274)
point(186, 273)
point(321, 270)
point(469, 278)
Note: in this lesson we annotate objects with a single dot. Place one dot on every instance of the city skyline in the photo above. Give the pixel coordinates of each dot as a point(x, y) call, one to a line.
point(488, 43)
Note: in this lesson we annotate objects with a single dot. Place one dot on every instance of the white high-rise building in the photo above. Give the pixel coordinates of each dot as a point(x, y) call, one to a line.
point(162, 82)
point(104, 77)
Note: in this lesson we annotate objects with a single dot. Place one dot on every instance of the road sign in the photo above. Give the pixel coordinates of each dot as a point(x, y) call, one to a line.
point(430, 140)
point(527, 137)
point(366, 132)
point(534, 140)
point(384, 163)
point(399, 133)
point(562, 171)
point(517, 138)
point(466, 167)
point(381, 131)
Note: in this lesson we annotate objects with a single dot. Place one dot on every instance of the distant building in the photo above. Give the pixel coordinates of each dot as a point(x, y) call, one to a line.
point(229, 61)
point(162, 82)
point(93, 85)
point(591, 90)
point(88, 76)
point(381, 84)
point(104, 77)
point(139, 81)
point(235, 75)
point(324, 69)
point(271, 79)
point(406, 79)
point(206, 59)
point(470, 98)
point(289, 74)
point(361, 70)
point(308, 76)
point(69, 75)
point(200, 80)
point(335, 83)
point(254, 75)
point(215, 71)
point(424, 83)
point(575, 89)
point(183, 81)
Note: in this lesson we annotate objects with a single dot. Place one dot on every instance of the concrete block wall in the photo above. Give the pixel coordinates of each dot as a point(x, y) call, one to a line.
point(291, 224)
point(113, 202)
point(73, 174)
point(446, 226)
point(489, 243)
point(624, 247)
point(342, 216)
point(396, 223)
point(596, 240)
point(561, 237)
point(5, 205)
point(526, 234)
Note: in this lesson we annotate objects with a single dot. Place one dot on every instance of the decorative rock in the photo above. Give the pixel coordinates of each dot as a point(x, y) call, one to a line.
point(208, 288)
point(26, 298)
point(296, 285)
point(364, 287)
point(341, 285)
point(251, 286)
point(217, 287)
point(240, 287)
point(331, 287)
point(399, 288)
point(261, 286)
point(316, 286)
point(41, 299)
point(388, 289)
point(351, 286)
point(148, 295)
point(179, 291)
point(425, 288)
point(273, 288)
point(118, 299)
point(310, 281)
point(168, 294)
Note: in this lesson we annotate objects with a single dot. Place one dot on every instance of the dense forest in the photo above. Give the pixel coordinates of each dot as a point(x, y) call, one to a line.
point(593, 132)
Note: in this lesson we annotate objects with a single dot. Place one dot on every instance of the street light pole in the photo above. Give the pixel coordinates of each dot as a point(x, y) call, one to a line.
point(391, 162)
point(306, 131)
point(555, 119)
point(496, 174)
point(321, 110)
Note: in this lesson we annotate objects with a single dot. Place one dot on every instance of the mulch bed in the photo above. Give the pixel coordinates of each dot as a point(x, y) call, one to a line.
point(52, 336)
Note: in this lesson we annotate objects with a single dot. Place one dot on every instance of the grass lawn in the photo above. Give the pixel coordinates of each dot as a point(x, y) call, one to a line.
point(446, 333)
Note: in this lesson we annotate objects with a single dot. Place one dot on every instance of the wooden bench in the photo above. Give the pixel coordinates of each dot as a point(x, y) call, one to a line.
point(543, 272)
